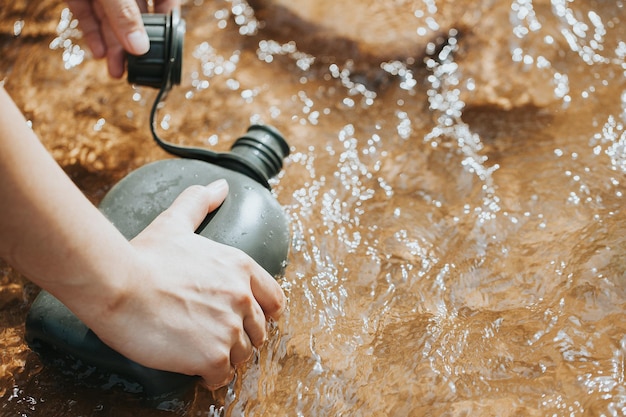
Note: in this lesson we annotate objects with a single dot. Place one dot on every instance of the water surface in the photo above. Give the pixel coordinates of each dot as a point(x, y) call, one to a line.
point(455, 191)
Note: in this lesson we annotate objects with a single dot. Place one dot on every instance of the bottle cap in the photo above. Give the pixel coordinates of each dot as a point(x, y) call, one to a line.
point(162, 64)
point(263, 149)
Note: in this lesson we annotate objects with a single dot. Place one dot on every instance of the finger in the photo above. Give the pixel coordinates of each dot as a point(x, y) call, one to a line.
point(124, 17)
point(89, 25)
point(143, 6)
point(267, 292)
point(192, 205)
point(165, 6)
point(214, 381)
point(116, 57)
point(241, 350)
point(254, 325)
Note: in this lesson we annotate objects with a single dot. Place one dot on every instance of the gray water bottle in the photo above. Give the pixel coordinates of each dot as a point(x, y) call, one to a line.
point(250, 218)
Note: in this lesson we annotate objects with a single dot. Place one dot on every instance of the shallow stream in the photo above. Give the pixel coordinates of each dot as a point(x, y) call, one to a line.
point(455, 192)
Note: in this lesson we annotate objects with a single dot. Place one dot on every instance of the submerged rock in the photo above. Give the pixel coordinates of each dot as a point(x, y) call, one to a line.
point(366, 28)
point(508, 65)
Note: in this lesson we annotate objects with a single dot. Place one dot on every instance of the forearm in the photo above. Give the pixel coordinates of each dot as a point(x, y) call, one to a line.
point(49, 230)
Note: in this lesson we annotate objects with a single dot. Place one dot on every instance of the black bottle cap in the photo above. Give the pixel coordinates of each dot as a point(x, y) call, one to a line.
point(263, 149)
point(162, 64)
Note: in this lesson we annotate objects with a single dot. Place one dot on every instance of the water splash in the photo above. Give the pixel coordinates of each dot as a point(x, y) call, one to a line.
point(444, 99)
point(403, 72)
point(523, 18)
point(610, 142)
point(244, 17)
point(576, 31)
point(212, 64)
point(542, 36)
point(270, 48)
point(17, 27)
point(354, 88)
point(394, 305)
point(67, 31)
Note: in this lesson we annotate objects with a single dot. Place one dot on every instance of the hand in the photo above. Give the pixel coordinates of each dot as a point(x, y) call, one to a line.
point(169, 299)
point(193, 306)
point(111, 27)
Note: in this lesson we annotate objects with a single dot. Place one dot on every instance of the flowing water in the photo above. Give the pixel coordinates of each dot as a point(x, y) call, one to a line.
point(455, 191)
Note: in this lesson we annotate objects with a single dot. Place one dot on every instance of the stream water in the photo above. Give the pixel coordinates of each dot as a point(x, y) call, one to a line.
point(455, 191)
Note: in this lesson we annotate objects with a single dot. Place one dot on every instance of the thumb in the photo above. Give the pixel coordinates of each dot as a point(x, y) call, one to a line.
point(194, 203)
point(125, 20)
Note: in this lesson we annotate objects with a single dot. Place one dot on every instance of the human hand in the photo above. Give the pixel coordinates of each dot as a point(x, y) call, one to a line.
point(192, 306)
point(111, 27)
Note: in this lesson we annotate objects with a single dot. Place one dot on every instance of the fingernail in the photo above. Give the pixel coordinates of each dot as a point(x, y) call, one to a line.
point(139, 42)
point(218, 185)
